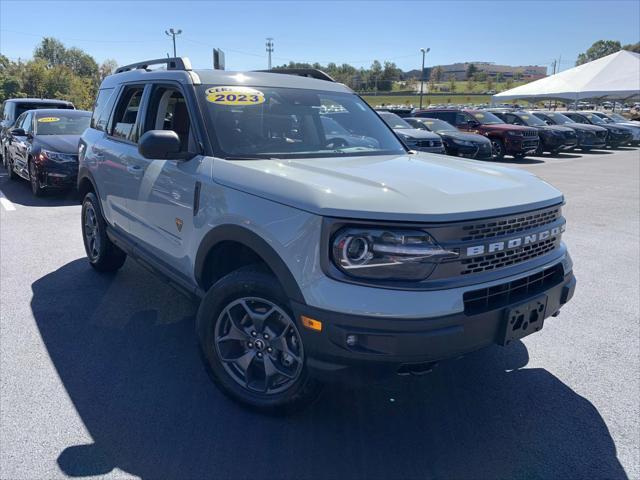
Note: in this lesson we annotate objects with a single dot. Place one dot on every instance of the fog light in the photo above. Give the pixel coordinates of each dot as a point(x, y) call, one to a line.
point(352, 340)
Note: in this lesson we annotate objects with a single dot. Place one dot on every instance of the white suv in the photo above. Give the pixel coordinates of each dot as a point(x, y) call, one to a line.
point(321, 249)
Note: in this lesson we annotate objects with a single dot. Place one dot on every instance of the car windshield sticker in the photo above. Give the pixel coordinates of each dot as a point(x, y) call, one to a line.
point(48, 119)
point(526, 117)
point(479, 115)
point(234, 96)
point(429, 123)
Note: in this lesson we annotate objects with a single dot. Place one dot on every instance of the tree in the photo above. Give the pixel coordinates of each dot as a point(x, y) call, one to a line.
point(436, 74)
point(80, 63)
point(471, 70)
point(471, 85)
point(107, 68)
point(50, 50)
point(499, 77)
point(599, 49)
point(489, 83)
point(632, 47)
point(452, 85)
point(509, 83)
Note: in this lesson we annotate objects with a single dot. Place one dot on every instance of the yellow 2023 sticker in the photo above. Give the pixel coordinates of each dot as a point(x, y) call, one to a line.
point(234, 96)
point(48, 119)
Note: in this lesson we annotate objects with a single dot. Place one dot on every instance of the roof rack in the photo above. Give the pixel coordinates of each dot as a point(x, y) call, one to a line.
point(302, 72)
point(177, 63)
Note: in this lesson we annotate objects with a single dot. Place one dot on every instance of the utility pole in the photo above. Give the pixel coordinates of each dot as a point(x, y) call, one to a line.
point(172, 33)
point(269, 45)
point(424, 52)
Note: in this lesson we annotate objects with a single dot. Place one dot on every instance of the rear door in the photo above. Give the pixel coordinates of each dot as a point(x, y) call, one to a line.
point(117, 154)
point(162, 212)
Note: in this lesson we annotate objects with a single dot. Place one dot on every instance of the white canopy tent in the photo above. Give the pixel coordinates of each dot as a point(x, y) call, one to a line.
point(616, 76)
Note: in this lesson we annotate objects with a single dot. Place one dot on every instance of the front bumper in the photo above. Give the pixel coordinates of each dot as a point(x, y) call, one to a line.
point(521, 145)
point(478, 152)
point(615, 139)
point(385, 346)
point(439, 149)
point(53, 175)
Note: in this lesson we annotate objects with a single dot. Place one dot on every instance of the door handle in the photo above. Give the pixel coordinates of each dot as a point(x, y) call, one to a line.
point(134, 169)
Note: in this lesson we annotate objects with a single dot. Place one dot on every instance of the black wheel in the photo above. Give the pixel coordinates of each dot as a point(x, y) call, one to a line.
point(497, 147)
point(555, 151)
point(36, 188)
point(251, 343)
point(585, 149)
point(103, 255)
point(540, 150)
point(519, 156)
point(10, 173)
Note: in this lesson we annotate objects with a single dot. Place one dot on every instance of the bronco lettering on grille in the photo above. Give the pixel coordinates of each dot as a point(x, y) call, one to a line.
point(514, 242)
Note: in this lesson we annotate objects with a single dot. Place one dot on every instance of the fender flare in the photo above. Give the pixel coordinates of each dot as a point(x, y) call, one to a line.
point(252, 240)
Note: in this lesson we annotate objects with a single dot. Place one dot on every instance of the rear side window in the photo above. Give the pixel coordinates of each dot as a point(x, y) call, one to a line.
point(23, 107)
point(126, 114)
point(102, 109)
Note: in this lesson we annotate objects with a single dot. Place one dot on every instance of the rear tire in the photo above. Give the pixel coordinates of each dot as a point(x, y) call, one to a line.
point(102, 253)
point(257, 362)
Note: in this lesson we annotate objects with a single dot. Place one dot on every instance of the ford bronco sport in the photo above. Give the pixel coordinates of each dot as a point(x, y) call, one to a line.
point(315, 256)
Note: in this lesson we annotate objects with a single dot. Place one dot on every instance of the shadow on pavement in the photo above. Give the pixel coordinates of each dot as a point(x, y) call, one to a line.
point(19, 192)
point(125, 349)
point(520, 161)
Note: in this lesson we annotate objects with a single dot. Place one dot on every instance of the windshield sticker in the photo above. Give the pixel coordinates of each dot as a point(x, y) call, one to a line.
point(526, 117)
point(234, 96)
point(48, 119)
point(479, 115)
point(429, 123)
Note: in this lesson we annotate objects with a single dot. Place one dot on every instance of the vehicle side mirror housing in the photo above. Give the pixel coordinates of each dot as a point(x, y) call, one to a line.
point(548, 122)
point(18, 132)
point(473, 123)
point(161, 144)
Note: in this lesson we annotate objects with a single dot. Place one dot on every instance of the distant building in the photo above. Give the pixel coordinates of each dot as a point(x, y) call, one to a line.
point(458, 71)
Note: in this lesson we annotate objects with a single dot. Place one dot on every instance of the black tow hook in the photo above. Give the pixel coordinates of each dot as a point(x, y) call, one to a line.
point(416, 369)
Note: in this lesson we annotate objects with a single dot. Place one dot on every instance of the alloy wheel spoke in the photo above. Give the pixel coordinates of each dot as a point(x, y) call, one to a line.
point(235, 333)
point(273, 368)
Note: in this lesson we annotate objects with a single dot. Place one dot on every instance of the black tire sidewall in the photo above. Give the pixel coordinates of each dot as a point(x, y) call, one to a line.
point(499, 143)
point(248, 282)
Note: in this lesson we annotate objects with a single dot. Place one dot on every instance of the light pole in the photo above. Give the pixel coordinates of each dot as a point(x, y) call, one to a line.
point(269, 45)
point(172, 33)
point(424, 52)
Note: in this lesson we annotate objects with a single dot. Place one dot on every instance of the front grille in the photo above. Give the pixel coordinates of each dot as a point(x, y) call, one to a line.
point(428, 143)
point(601, 134)
point(570, 134)
point(492, 298)
point(508, 226)
point(497, 260)
point(530, 133)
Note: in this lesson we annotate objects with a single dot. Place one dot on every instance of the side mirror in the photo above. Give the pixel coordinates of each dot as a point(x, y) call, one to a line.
point(472, 123)
point(548, 122)
point(160, 144)
point(18, 132)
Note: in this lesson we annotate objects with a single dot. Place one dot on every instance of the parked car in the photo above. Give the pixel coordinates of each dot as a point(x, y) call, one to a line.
point(553, 138)
point(14, 107)
point(43, 148)
point(400, 111)
point(617, 119)
point(505, 139)
point(414, 138)
point(341, 136)
point(312, 262)
point(588, 136)
point(456, 143)
point(617, 135)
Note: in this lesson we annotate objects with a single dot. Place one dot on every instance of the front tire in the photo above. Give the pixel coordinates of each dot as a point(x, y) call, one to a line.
point(10, 173)
point(102, 253)
point(497, 147)
point(36, 189)
point(251, 343)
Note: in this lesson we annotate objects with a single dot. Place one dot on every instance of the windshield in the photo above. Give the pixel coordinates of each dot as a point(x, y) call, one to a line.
point(531, 120)
point(59, 124)
point(436, 125)
point(393, 120)
point(559, 118)
point(23, 107)
point(617, 117)
point(274, 122)
point(486, 118)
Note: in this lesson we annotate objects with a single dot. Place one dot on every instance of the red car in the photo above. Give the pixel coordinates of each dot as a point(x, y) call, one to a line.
point(506, 139)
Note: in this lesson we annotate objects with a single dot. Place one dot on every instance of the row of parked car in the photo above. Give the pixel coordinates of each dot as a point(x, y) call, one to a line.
point(494, 133)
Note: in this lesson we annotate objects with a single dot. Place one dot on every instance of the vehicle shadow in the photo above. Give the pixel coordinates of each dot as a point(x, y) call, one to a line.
point(557, 156)
point(19, 192)
point(596, 152)
point(125, 350)
point(520, 161)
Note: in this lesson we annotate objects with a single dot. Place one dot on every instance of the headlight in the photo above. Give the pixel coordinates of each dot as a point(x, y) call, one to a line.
point(464, 143)
point(515, 134)
point(57, 157)
point(381, 254)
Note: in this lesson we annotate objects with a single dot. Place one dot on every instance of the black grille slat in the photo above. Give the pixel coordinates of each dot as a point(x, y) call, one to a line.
point(511, 226)
point(486, 299)
point(508, 257)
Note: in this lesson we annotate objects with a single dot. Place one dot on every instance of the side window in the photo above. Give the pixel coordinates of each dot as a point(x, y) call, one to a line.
point(168, 111)
point(123, 124)
point(5, 111)
point(510, 118)
point(27, 124)
point(102, 109)
point(19, 121)
point(462, 118)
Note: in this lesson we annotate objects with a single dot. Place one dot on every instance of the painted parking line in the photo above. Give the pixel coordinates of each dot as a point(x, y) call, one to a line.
point(6, 203)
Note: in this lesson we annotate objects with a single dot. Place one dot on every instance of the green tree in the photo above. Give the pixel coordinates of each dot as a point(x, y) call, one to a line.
point(632, 47)
point(499, 77)
point(509, 83)
point(436, 73)
point(452, 85)
point(490, 83)
point(471, 85)
point(50, 50)
point(471, 70)
point(599, 49)
point(107, 68)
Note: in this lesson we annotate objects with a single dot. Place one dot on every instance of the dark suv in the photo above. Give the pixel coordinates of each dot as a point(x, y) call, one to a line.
point(14, 107)
point(553, 138)
point(505, 139)
point(617, 134)
point(589, 136)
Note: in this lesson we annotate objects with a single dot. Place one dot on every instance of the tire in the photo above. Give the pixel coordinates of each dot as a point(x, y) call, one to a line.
point(585, 149)
point(555, 152)
point(229, 340)
point(36, 189)
point(10, 173)
point(102, 253)
point(497, 146)
point(540, 150)
point(519, 156)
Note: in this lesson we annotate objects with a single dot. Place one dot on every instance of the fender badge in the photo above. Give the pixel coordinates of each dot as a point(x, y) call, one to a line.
point(179, 224)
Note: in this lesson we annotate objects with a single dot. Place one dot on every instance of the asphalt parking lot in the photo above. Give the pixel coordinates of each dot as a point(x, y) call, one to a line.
point(100, 374)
